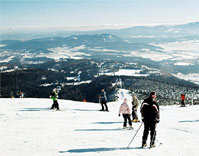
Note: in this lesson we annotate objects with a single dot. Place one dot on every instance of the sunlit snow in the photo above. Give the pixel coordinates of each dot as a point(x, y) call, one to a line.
point(30, 128)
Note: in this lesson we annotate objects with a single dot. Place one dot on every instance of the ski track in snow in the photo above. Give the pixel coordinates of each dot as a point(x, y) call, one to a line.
point(29, 127)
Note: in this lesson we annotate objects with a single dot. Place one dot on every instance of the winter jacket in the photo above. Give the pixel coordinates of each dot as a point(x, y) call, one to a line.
point(103, 97)
point(150, 110)
point(54, 96)
point(182, 97)
point(124, 109)
point(135, 103)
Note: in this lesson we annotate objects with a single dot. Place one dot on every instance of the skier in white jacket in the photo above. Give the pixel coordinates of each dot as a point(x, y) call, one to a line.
point(125, 110)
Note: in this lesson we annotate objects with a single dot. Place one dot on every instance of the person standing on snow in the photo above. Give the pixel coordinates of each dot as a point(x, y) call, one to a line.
point(54, 96)
point(125, 110)
point(135, 104)
point(182, 100)
point(103, 101)
point(150, 116)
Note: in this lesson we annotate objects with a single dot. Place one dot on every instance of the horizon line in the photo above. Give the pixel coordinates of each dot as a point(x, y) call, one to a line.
point(90, 27)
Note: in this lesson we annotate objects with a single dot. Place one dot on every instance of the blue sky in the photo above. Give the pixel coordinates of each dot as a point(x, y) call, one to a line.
point(69, 13)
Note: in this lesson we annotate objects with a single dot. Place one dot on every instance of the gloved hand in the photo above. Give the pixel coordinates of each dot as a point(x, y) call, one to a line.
point(157, 121)
point(119, 115)
point(142, 119)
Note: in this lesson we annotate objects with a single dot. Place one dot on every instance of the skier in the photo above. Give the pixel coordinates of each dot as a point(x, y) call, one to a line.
point(150, 116)
point(182, 100)
point(125, 110)
point(103, 101)
point(54, 96)
point(135, 104)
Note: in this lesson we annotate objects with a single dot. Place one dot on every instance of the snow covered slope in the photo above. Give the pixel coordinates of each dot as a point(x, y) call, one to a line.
point(30, 128)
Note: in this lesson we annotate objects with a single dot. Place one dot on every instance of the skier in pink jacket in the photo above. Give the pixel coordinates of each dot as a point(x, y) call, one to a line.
point(125, 110)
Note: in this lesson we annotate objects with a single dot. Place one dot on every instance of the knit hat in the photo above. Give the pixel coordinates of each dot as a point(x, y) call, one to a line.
point(125, 100)
point(152, 93)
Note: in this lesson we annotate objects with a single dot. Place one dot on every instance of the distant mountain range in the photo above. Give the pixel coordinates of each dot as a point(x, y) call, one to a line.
point(172, 48)
point(160, 31)
point(80, 63)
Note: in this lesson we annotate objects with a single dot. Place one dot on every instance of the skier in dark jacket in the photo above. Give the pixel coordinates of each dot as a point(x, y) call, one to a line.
point(54, 96)
point(103, 101)
point(150, 116)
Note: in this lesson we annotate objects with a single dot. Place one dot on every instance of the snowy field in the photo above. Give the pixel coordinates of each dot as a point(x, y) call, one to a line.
point(126, 72)
point(30, 128)
point(185, 51)
point(193, 77)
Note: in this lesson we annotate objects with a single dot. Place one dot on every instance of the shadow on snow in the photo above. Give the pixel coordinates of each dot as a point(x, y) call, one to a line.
point(98, 149)
point(106, 122)
point(35, 109)
point(189, 121)
point(116, 129)
point(89, 110)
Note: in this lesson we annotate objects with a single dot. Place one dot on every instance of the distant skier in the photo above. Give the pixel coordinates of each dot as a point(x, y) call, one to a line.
point(150, 116)
point(54, 96)
point(125, 110)
point(135, 104)
point(21, 94)
point(182, 100)
point(103, 101)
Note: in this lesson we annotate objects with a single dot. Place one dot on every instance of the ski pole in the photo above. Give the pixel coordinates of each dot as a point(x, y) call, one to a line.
point(135, 135)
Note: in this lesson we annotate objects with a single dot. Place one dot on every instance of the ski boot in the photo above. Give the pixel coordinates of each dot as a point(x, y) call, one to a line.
point(124, 127)
point(152, 145)
point(144, 144)
point(130, 128)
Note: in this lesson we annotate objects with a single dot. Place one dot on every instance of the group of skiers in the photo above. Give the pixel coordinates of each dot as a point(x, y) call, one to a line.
point(149, 112)
point(125, 110)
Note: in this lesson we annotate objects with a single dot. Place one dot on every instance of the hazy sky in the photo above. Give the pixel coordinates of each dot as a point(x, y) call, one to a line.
point(64, 13)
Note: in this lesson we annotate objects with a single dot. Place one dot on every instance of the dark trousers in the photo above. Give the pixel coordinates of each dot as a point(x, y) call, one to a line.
point(127, 117)
point(134, 114)
point(103, 103)
point(182, 103)
point(149, 126)
point(55, 105)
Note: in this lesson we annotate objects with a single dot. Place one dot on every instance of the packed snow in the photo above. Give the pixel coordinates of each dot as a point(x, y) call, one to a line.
point(29, 127)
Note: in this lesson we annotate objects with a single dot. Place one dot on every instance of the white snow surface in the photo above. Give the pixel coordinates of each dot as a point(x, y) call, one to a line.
point(30, 128)
point(65, 52)
point(7, 59)
point(127, 72)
